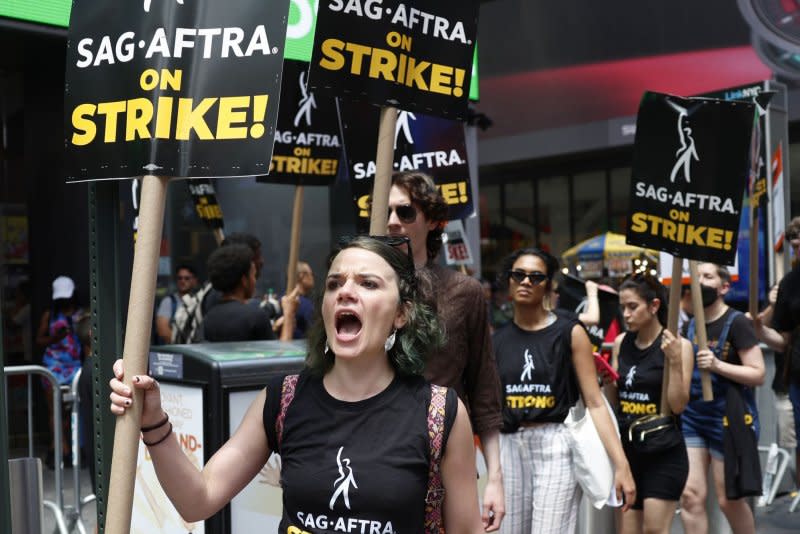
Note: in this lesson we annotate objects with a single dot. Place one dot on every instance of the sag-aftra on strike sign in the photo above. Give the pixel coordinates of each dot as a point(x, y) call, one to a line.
point(415, 56)
point(172, 88)
point(690, 165)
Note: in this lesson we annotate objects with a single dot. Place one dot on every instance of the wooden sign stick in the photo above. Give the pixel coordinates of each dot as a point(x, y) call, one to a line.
point(219, 236)
point(294, 243)
point(135, 352)
point(700, 327)
point(384, 166)
point(753, 281)
point(672, 323)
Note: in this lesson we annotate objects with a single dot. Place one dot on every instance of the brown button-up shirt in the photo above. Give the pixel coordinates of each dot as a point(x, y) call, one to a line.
point(466, 361)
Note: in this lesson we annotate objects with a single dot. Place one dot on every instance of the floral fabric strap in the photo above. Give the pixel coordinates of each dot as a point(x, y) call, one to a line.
point(287, 395)
point(434, 521)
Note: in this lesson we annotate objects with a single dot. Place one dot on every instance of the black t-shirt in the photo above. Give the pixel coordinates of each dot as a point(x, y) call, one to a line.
point(741, 336)
point(786, 318)
point(536, 372)
point(787, 306)
point(355, 466)
point(641, 373)
point(231, 320)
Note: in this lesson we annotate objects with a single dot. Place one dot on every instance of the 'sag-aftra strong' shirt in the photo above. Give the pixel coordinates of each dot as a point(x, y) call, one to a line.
point(354, 467)
point(536, 371)
point(641, 373)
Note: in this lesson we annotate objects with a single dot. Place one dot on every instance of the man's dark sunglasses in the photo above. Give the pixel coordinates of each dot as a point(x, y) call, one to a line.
point(391, 240)
point(405, 212)
point(536, 278)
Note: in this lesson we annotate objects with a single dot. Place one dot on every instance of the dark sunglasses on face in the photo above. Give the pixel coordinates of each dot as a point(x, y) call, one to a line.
point(405, 212)
point(391, 240)
point(535, 278)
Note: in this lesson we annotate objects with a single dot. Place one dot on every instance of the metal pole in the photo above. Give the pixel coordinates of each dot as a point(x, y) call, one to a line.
point(107, 237)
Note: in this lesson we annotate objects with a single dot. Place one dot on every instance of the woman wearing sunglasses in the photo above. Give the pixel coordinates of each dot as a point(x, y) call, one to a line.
point(353, 428)
point(544, 362)
point(660, 468)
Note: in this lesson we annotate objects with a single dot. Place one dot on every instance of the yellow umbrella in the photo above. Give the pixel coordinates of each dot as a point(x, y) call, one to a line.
point(607, 250)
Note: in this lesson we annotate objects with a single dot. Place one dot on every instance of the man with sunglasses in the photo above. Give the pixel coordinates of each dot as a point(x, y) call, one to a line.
point(186, 282)
point(418, 211)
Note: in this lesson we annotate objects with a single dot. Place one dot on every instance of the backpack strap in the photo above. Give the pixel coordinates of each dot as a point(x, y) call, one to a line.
point(174, 300)
point(723, 336)
point(434, 498)
point(287, 396)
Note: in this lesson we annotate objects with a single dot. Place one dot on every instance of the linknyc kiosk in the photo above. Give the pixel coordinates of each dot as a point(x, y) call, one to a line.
point(206, 390)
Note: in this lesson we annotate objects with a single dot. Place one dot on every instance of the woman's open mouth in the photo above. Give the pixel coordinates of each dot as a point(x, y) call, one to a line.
point(348, 325)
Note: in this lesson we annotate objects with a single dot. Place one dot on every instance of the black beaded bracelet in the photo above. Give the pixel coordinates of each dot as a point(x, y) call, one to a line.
point(161, 440)
point(157, 425)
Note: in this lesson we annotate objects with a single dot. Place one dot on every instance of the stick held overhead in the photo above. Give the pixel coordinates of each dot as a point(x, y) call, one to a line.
point(384, 166)
point(137, 337)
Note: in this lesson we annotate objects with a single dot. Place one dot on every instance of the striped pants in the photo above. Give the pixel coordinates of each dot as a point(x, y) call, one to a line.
point(542, 495)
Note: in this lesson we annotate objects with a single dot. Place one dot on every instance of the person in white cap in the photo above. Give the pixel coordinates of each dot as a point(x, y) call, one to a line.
point(57, 335)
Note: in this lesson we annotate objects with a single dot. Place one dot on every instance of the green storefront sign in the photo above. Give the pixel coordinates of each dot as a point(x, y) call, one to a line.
point(299, 33)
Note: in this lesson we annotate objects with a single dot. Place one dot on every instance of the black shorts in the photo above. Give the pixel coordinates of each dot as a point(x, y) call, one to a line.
point(660, 475)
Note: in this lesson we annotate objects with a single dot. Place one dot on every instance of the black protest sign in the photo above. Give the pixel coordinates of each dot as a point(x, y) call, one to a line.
point(307, 146)
point(412, 55)
point(572, 297)
point(690, 168)
point(422, 143)
point(173, 88)
point(205, 202)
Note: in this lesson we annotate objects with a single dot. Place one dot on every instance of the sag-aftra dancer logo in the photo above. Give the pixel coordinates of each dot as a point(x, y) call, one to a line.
point(630, 376)
point(306, 104)
point(147, 5)
point(528, 367)
point(687, 151)
point(343, 482)
point(404, 126)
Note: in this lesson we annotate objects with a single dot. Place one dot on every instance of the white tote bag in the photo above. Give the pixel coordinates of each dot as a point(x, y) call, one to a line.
point(593, 468)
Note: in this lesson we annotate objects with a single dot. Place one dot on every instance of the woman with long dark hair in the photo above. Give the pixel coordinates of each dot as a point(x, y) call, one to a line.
point(640, 356)
point(354, 429)
point(545, 361)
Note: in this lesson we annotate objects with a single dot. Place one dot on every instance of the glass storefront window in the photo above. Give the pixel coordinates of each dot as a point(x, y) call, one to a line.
point(620, 193)
point(589, 210)
point(554, 214)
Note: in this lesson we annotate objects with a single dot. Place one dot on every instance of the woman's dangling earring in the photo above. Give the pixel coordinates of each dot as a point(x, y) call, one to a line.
point(327, 347)
point(390, 341)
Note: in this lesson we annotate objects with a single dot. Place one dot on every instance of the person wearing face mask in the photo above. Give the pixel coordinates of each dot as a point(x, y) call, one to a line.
point(735, 363)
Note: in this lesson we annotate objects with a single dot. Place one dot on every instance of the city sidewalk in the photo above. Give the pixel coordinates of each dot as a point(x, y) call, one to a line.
point(774, 519)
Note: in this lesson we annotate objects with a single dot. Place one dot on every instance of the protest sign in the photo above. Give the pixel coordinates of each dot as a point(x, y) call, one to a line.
point(207, 207)
point(173, 88)
point(665, 262)
point(572, 297)
point(456, 247)
point(389, 52)
point(421, 143)
point(307, 146)
point(778, 212)
point(180, 90)
point(690, 168)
